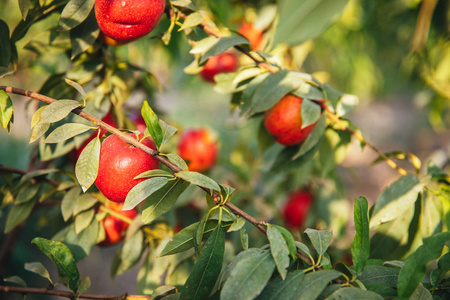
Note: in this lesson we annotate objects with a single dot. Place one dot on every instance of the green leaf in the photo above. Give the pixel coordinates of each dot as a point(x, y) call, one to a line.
point(24, 6)
point(320, 239)
point(6, 107)
point(243, 237)
point(279, 250)
point(68, 202)
point(395, 200)
point(154, 173)
point(314, 283)
point(421, 293)
point(61, 256)
point(351, 293)
point(131, 252)
point(75, 12)
point(84, 285)
point(312, 16)
point(310, 112)
point(313, 138)
point(415, 265)
point(283, 289)
point(178, 161)
point(5, 47)
point(82, 244)
point(346, 104)
point(204, 275)
point(183, 240)
point(237, 225)
point(38, 268)
point(76, 86)
point(192, 20)
point(18, 214)
point(289, 238)
point(66, 131)
point(58, 110)
point(212, 46)
point(86, 168)
point(152, 122)
point(142, 190)
point(83, 202)
point(16, 280)
point(380, 275)
point(38, 131)
point(198, 179)
point(163, 200)
point(84, 36)
point(83, 220)
point(184, 4)
point(248, 277)
point(27, 192)
point(167, 131)
point(443, 266)
point(361, 241)
point(272, 89)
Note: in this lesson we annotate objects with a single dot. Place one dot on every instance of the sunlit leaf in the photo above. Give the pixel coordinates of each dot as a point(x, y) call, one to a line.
point(86, 168)
point(66, 131)
point(38, 268)
point(199, 179)
point(361, 242)
point(61, 256)
point(75, 12)
point(321, 239)
point(6, 108)
point(142, 191)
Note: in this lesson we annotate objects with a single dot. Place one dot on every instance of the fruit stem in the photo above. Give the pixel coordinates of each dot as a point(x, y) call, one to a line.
point(335, 119)
point(115, 214)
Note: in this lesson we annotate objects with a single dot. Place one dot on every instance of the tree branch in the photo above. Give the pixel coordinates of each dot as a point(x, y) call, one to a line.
point(69, 295)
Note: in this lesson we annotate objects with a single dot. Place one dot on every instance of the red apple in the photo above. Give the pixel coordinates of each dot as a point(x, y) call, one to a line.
point(222, 63)
point(252, 33)
point(297, 208)
point(119, 164)
point(108, 119)
point(127, 20)
point(284, 121)
point(199, 148)
point(116, 228)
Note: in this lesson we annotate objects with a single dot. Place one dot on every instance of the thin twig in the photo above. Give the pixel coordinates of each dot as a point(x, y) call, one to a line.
point(70, 295)
point(22, 172)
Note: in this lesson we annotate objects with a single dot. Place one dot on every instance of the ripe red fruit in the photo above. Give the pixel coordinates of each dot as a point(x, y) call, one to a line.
point(284, 121)
point(199, 148)
point(119, 164)
point(222, 63)
point(127, 20)
point(108, 119)
point(297, 208)
point(115, 228)
point(253, 34)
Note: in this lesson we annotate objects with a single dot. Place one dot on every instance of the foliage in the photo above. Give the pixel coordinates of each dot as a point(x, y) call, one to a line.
point(223, 252)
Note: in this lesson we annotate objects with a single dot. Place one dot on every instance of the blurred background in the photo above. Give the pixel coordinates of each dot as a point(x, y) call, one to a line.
point(374, 50)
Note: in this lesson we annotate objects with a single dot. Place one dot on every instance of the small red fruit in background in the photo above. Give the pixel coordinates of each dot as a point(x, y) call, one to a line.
point(222, 63)
point(252, 34)
point(128, 20)
point(119, 164)
point(116, 228)
point(297, 207)
point(108, 119)
point(284, 121)
point(199, 148)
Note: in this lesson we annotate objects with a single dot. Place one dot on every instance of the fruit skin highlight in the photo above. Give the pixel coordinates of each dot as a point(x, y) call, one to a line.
point(222, 63)
point(252, 34)
point(120, 163)
point(116, 228)
point(284, 121)
point(199, 148)
point(128, 20)
point(297, 208)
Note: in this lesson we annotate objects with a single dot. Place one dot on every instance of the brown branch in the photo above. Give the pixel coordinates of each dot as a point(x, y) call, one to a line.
point(70, 295)
point(22, 172)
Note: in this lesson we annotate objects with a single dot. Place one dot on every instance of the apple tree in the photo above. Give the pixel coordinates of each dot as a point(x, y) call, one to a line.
point(251, 203)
